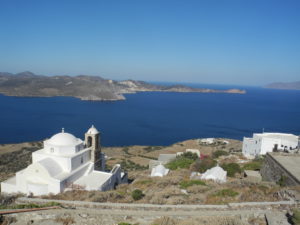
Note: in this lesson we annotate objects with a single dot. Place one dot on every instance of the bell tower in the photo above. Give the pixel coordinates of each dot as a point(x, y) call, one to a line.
point(92, 140)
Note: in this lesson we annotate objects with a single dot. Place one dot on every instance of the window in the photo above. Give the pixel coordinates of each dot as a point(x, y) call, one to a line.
point(89, 141)
point(81, 160)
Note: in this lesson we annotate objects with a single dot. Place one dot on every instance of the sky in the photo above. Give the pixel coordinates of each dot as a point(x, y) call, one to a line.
point(242, 42)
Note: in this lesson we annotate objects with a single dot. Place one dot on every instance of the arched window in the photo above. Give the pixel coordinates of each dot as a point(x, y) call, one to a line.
point(89, 141)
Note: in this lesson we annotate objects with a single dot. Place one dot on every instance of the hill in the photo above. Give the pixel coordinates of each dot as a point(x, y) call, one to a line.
point(285, 85)
point(84, 87)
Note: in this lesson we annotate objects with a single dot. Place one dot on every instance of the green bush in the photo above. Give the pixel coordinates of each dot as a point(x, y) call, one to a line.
point(296, 217)
point(218, 153)
point(179, 162)
point(205, 164)
point(29, 205)
point(232, 169)
point(226, 193)
point(124, 223)
point(282, 181)
point(137, 194)
point(256, 164)
point(130, 165)
point(185, 184)
point(190, 155)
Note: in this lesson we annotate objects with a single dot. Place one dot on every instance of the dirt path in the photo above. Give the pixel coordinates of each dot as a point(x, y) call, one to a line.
point(110, 217)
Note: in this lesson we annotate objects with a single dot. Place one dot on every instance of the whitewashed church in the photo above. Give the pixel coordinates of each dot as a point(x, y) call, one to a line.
point(66, 163)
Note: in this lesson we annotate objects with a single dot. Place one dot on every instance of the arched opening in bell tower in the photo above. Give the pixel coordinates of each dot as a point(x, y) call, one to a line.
point(89, 141)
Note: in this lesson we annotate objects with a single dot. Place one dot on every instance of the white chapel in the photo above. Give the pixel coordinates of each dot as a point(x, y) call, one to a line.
point(66, 163)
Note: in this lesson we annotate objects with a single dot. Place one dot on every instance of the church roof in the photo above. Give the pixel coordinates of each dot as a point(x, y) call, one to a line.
point(93, 130)
point(63, 139)
point(52, 167)
point(216, 173)
point(159, 171)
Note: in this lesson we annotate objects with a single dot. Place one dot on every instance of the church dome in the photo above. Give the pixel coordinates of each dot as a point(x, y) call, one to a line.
point(63, 139)
point(93, 130)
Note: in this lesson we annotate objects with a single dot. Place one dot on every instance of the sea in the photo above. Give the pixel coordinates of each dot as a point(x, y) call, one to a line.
point(153, 118)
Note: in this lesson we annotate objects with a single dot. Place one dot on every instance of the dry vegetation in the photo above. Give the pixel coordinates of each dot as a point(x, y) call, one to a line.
point(219, 220)
point(166, 190)
point(15, 157)
point(142, 154)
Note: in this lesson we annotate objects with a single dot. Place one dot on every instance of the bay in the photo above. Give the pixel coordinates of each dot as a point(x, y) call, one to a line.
point(153, 118)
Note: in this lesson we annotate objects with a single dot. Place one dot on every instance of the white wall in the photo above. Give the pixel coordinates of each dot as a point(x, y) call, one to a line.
point(248, 147)
point(260, 144)
point(80, 159)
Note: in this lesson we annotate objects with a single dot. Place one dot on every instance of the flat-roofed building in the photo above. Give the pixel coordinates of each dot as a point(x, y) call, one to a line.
point(262, 143)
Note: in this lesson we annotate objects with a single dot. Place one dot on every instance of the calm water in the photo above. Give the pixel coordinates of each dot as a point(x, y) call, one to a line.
point(152, 118)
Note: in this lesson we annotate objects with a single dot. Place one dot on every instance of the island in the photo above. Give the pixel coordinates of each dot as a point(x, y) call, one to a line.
point(84, 87)
point(284, 85)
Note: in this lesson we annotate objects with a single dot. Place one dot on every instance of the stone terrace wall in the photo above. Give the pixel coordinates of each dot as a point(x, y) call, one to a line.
point(272, 170)
point(147, 207)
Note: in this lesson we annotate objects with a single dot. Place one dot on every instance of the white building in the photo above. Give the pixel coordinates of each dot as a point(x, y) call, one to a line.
point(207, 141)
point(159, 171)
point(65, 162)
point(260, 144)
point(216, 174)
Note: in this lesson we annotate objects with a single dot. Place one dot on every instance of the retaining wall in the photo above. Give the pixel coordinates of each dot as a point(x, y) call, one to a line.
point(154, 207)
point(272, 170)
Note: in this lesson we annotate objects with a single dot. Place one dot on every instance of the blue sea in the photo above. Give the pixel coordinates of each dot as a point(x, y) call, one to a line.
point(153, 118)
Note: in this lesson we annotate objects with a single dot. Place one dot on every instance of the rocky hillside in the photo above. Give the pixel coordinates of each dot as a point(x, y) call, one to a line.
point(27, 84)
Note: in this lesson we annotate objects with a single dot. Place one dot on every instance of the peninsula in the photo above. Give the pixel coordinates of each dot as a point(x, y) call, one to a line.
point(84, 87)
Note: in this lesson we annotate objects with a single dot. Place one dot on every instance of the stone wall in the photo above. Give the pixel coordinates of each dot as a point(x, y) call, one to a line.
point(161, 208)
point(272, 170)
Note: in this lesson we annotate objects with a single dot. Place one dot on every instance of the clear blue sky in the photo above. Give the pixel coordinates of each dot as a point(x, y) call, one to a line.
point(223, 42)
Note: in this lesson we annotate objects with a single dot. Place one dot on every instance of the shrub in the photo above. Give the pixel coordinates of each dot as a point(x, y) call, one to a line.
point(184, 184)
point(137, 194)
point(130, 165)
point(226, 193)
point(29, 205)
point(205, 164)
point(190, 155)
point(179, 162)
point(232, 169)
point(124, 223)
point(282, 181)
point(296, 217)
point(148, 181)
point(256, 164)
point(218, 153)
